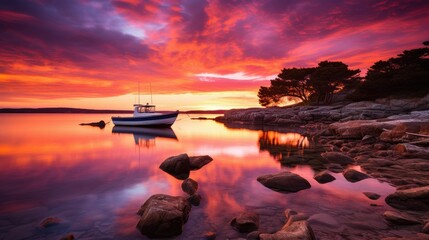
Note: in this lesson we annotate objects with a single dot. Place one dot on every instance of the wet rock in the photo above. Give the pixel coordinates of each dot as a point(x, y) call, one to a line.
point(294, 231)
point(253, 235)
point(189, 186)
point(412, 151)
point(50, 222)
point(371, 195)
point(425, 228)
point(336, 157)
point(163, 216)
point(368, 139)
point(195, 199)
point(324, 177)
point(400, 218)
point(178, 166)
point(284, 182)
point(209, 236)
point(411, 199)
point(68, 237)
point(197, 162)
point(354, 176)
point(335, 168)
point(246, 222)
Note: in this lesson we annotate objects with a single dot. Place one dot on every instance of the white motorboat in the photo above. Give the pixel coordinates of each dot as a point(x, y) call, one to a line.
point(146, 116)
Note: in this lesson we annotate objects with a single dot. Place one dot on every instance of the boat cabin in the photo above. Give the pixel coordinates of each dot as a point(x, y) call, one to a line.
point(141, 108)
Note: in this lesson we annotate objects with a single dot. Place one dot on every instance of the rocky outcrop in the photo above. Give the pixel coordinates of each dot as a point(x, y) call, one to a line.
point(197, 162)
point(178, 166)
point(246, 222)
point(412, 199)
point(286, 182)
point(163, 216)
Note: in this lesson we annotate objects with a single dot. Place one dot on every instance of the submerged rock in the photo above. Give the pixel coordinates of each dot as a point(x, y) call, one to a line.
point(371, 195)
point(197, 162)
point(336, 157)
point(178, 166)
point(246, 222)
point(324, 177)
point(411, 199)
point(400, 218)
point(163, 216)
point(50, 222)
point(189, 186)
point(284, 182)
point(195, 199)
point(354, 176)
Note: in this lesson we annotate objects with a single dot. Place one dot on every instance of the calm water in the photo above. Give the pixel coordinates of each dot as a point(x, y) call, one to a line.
point(95, 180)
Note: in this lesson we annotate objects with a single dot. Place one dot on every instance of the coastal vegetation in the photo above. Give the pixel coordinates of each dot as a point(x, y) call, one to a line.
point(402, 76)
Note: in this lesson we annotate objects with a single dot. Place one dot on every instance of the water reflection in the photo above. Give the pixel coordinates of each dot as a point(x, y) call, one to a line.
point(146, 136)
point(95, 180)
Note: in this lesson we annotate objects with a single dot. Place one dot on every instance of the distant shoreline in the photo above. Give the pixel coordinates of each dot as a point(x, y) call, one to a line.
point(89, 111)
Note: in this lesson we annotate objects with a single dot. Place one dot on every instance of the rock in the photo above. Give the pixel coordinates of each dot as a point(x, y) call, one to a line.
point(209, 236)
point(411, 199)
point(68, 237)
point(246, 222)
point(410, 150)
point(178, 166)
point(50, 222)
point(163, 216)
point(336, 157)
point(354, 176)
point(189, 186)
point(284, 182)
point(368, 139)
point(253, 235)
point(425, 228)
point(400, 218)
point(324, 177)
point(299, 230)
point(371, 195)
point(195, 199)
point(197, 162)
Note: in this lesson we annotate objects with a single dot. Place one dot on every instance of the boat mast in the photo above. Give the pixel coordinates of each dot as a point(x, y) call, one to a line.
point(150, 87)
point(139, 92)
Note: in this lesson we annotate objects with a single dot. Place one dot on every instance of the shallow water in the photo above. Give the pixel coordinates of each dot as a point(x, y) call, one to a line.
point(95, 179)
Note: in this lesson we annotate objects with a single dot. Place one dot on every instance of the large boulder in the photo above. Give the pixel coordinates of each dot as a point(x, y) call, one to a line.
point(198, 162)
point(163, 216)
point(246, 222)
point(354, 176)
point(284, 182)
point(336, 157)
point(178, 166)
point(410, 199)
point(299, 230)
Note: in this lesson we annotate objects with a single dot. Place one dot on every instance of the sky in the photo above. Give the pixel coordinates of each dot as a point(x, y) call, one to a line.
point(187, 54)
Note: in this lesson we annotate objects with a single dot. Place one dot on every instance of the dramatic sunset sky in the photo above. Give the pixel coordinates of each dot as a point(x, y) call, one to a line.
point(193, 54)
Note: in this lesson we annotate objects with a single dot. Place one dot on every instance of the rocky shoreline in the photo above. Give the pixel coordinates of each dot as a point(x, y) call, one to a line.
point(387, 138)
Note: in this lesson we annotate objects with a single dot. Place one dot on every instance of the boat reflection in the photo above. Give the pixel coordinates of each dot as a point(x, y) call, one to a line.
point(146, 136)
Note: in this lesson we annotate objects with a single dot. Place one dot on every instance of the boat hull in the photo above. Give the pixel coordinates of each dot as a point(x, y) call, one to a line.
point(161, 120)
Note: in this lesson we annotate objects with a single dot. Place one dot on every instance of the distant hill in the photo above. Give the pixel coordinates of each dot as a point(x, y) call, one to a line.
point(59, 110)
point(82, 110)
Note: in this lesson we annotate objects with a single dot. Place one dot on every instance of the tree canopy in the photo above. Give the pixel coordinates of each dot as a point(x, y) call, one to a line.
point(308, 84)
point(403, 76)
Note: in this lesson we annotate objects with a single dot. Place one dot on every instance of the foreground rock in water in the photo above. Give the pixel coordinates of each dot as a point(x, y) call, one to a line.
point(299, 230)
point(336, 157)
point(178, 166)
point(163, 216)
point(411, 199)
point(198, 162)
point(354, 176)
point(324, 177)
point(189, 186)
point(246, 222)
point(400, 218)
point(284, 182)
